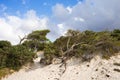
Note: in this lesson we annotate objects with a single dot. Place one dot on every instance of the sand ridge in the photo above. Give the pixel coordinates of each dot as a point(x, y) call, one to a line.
point(96, 69)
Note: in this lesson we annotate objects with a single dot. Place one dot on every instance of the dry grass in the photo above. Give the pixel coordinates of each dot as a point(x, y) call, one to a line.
point(4, 72)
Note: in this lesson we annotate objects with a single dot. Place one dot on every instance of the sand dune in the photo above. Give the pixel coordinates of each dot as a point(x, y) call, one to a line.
point(96, 69)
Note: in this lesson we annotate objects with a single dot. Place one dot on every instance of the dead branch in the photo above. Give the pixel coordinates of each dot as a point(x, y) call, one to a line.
point(22, 39)
point(71, 48)
point(65, 58)
point(68, 42)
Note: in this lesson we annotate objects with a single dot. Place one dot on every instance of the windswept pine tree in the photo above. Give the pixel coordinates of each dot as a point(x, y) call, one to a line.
point(36, 40)
point(84, 45)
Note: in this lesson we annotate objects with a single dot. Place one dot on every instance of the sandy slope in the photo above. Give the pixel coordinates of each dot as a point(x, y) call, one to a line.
point(97, 69)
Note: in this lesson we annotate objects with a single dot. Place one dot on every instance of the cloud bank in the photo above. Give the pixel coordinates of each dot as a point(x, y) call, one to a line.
point(13, 26)
point(87, 15)
point(91, 14)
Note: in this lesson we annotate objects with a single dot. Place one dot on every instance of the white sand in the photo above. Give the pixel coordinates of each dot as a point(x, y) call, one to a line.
point(97, 69)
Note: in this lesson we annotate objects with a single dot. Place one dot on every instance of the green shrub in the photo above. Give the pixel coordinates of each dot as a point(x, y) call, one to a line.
point(18, 56)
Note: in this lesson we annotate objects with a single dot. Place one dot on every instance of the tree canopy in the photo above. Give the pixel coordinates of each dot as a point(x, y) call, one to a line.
point(85, 45)
point(37, 40)
point(15, 56)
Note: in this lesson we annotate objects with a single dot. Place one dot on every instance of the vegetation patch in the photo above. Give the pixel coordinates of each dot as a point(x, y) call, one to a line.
point(83, 45)
point(13, 57)
point(5, 71)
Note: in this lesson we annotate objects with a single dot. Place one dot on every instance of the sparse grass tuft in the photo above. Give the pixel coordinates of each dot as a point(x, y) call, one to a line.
point(4, 72)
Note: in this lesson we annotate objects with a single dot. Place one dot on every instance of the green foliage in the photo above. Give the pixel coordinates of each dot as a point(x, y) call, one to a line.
point(50, 51)
point(4, 50)
point(14, 57)
point(3, 57)
point(83, 45)
point(19, 55)
point(5, 44)
point(38, 35)
point(90, 43)
point(88, 37)
point(71, 32)
point(61, 43)
point(116, 34)
point(36, 40)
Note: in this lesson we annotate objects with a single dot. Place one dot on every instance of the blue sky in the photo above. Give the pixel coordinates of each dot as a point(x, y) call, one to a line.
point(42, 7)
point(20, 17)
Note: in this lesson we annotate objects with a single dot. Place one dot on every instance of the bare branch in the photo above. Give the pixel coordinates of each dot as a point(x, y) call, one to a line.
point(68, 42)
point(71, 48)
point(22, 39)
point(75, 45)
point(65, 58)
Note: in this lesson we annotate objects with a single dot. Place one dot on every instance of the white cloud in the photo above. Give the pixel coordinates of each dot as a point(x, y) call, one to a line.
point(79, 19)
point(90, 14)
point(60, 12)
point(61, 28)
point(13, 26)
point(69, 9)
